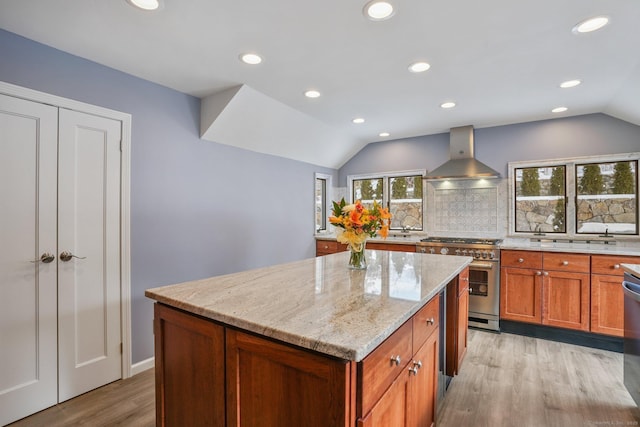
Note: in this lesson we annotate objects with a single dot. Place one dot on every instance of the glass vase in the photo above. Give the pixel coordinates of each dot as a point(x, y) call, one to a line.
point(357, 260)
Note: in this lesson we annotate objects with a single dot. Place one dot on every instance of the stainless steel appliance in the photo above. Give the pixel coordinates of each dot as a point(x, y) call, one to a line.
point(484, 275)
point(631, 288)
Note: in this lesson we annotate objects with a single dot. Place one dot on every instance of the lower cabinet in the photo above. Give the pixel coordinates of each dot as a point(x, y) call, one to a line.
point(209, 374)
point(566, 300)
point(457, 322)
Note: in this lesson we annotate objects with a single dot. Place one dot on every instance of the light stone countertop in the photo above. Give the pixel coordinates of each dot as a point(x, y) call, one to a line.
point(622, 248)
point(318, 303)
point(632, 269)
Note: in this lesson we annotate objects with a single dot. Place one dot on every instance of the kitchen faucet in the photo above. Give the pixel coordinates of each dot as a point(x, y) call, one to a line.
point(538, 232)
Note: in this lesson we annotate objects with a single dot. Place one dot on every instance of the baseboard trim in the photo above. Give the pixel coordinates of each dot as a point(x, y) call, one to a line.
point(136, 368)
point(586, 339)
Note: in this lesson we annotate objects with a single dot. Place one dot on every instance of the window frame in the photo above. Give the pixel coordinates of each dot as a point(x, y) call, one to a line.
point(571, 195)
point(326, 206)
point(386, 192)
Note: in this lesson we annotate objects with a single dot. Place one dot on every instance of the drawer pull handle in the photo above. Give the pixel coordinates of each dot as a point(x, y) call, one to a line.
point(413, 370)
point(417, 364)
point(538, 273)
point(431, 321)
point(546, 273)
point(395, 360)
point(616, 266)
point(520, 260)
point(565, 262)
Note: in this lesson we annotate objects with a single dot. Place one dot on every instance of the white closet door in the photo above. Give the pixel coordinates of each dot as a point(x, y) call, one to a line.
point(89, 228)
point(28, 318)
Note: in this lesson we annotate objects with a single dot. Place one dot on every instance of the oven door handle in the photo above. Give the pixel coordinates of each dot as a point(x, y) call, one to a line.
point(481, 265)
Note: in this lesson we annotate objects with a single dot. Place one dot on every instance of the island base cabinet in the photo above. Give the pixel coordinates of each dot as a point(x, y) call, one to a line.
point(410, 401)
point(273, 385)
point(190, 371)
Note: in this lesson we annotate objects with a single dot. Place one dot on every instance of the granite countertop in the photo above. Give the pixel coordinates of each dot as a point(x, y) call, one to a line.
point(319, 303)
point(632, 269)
point(621, 248)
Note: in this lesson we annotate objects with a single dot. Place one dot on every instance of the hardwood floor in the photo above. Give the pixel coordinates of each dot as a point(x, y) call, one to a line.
point(129, 403)
point(506, 380)
point(510, 380)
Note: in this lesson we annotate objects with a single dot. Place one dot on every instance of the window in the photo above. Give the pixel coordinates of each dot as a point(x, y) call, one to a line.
point(321, 201)
point(607, 200)
point(402, 192)
point(575, 197)
point(540, 199)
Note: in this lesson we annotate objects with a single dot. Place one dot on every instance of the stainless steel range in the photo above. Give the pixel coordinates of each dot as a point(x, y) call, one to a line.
point(484, 275)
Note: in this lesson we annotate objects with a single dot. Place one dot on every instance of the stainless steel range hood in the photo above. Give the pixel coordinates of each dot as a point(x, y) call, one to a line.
point(462, 163)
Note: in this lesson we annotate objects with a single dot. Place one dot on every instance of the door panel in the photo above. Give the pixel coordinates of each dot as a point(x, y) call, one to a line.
point(89, 228)
point(28, 356)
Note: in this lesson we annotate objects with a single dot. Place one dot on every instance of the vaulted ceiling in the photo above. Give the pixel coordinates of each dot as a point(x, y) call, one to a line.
point(500, 61)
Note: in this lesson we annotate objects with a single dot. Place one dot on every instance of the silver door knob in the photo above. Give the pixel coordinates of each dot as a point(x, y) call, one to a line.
point(538, 273)
point(565, 262)
point(66, 256)
point(395, 360)
point(431, 321)
point(45, 258)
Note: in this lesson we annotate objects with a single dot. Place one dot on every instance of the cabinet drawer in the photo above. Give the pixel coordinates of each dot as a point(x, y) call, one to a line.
point(577, 263)
point(426, 321)
point(610, 264)
point(326, 246)
point(377, 371)
point(521, 259)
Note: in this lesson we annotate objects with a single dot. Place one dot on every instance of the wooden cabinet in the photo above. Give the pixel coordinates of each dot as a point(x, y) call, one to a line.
point(607, 297)
point(262, 374)
point(190, 369)
point(566, 290)
point(457, 322)
point(391, 247)
point(545, 288)
point(326, 247)
point(407, 399)
point(212, 374)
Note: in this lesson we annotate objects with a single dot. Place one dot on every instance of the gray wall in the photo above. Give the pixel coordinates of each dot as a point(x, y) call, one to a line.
point(197, 208)
point(586, 135)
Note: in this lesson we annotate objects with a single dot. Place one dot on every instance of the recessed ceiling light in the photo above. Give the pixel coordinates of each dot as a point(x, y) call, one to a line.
point(145, 4)
point(591, 24)
point(358, 120)
point(378, 10)
point(559, 110)
point(419, 67)
point(446, 105)
point(251, 58)
point(384, 134)
point(570, 83)
point(312, 94)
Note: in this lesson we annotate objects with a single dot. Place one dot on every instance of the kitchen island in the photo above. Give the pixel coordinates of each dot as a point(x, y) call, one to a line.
point(304, 343)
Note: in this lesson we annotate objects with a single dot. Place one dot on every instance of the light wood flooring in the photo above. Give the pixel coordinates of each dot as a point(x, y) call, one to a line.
point(506, 380)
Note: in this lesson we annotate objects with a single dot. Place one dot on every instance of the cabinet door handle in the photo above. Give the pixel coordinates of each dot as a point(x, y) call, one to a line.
point(417, 364)
point(395, 360)
point(565, 262)
point(413, 370)
point(616, 266)
point(431, 321)
point(538, 273)
point(546, 273)
point(66, 256)
point(520, 260)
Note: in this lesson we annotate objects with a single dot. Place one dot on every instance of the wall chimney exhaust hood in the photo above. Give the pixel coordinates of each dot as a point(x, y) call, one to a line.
point(462, 163)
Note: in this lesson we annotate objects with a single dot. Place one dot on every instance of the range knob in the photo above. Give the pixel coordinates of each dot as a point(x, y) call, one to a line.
point(484, 254)
point(432, 251)
point(444, 251)
point(457, 251)
point(492, 255)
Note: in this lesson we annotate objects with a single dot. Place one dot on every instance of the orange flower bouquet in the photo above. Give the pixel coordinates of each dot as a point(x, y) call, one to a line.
point(358, 223)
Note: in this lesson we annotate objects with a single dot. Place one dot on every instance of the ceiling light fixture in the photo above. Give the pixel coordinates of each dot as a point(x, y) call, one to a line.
point(570, 83)
point(559, 110)
point(447, 105)
point(358, 120)
point(591, 24)
point(384, 134)
point(312, 94)
point(145, 4)
point(419, 67)
point(251, 58)
point(378, 10)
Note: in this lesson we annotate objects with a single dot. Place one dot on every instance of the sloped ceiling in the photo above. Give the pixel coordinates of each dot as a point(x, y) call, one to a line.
point(501, 61)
